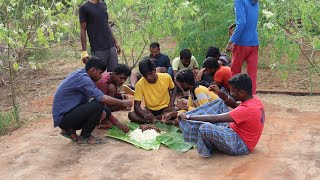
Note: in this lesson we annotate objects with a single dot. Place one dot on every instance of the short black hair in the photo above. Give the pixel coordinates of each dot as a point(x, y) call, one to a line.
point(146, 65)
point(185, 54)
point(241, 82)
point(185, 75)
point(211, 63)
point(95, 62)
point(155, 45)
point(122, 69)
point(213, 52)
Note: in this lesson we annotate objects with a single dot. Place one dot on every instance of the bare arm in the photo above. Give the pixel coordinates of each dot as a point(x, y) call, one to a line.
point(229, 101)
point(138, 109)
point(83, 35)
point(173, 94)
point(225, 117)
point(108, 100)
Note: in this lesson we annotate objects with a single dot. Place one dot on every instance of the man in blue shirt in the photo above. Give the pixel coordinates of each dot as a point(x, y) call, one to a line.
point(72, 109)
point(161, 61)
point(244, 42)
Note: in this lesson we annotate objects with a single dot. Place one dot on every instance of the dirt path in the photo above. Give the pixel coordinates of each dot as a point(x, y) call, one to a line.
point(288, 149)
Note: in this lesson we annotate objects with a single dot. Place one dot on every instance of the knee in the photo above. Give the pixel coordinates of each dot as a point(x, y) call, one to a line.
point(131, 116)
point(97, 105)
point(204, 129)
point(107, 111)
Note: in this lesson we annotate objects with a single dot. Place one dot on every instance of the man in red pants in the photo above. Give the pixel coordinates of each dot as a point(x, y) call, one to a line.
point(244, 42)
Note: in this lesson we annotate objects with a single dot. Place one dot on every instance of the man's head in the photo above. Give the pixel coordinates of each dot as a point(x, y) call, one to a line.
point(154, 50)
point(148, 70)
point(213, 52)
point(120, 74)
point(211, 65)
point(95, 67)
point(185, 57)
point(185, 78)
point(240, 87)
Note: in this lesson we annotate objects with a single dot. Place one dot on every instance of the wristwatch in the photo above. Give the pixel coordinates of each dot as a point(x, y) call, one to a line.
point(188, 116)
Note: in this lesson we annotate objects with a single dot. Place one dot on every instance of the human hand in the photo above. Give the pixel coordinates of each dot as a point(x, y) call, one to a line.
point(118, 48)
point(182, 115)
point(214, 88)
point(124, 96)
point(84, 57)
point(149, 118)
point(127, 104)
point(229, 47)
point(122, 126)
point(166, 117)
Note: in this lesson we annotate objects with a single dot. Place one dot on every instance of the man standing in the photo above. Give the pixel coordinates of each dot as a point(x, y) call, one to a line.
point(244, 42)
point(94, 21)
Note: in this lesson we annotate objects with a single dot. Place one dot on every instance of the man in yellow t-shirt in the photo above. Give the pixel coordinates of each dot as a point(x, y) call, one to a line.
point(153, 88)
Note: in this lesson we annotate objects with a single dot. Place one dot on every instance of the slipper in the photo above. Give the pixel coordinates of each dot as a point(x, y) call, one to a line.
point(68, 134)
point(84, 141)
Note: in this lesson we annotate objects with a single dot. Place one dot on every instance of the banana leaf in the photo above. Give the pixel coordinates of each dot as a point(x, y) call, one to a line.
point(170, 137)
point(116, 133)
point(175, 141)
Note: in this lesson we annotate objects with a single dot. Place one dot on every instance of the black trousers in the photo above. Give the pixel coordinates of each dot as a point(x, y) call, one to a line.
point(85, 117)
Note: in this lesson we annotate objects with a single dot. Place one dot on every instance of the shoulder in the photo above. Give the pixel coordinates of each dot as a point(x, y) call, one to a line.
point(176, 60)
point(193, 58)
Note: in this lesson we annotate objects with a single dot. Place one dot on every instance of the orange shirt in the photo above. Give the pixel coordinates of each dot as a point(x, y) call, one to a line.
point(222, 76)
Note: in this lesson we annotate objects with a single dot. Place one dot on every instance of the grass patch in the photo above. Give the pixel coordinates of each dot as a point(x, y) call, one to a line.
point(6, 122)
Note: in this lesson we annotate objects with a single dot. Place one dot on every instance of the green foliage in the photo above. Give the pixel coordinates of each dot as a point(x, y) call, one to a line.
point(200, 24)
point(287, 28)
point(6, 119)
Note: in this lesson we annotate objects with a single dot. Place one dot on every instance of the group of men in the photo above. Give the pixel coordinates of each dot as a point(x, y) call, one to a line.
point(87, 97)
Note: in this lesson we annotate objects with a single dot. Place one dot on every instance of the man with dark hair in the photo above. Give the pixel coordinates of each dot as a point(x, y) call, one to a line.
point(94, 21)
point(221, 73)
point(215, 53)
point(185, 61)
point(110, 81)
point(199, 95)
point(108, 84)
point(161, 61)
point(236, 132)
point(244, 42)
point(153, 88)
point(223, 60)
point(72, 109)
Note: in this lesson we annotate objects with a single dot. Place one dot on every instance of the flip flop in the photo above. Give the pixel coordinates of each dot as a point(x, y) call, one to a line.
point(68, 134)
point(84, 141)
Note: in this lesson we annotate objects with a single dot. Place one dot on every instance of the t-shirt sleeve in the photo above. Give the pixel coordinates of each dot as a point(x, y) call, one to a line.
point(201, 95)
point(89, 88)
point(239, 114)
point(195, 64)
point(168, 64)
point(171, 83)
point(218, 76)
point(83, 15)
point(138, 93)
point(175, 64)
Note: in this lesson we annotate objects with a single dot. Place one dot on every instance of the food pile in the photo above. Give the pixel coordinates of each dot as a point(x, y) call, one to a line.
point(145, 133)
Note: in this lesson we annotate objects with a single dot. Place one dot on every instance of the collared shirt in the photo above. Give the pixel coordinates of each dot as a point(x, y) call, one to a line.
point(76, 89)
point(162, 60)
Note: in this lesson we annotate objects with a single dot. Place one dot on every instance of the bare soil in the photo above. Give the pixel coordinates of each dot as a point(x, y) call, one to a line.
point(288, 148)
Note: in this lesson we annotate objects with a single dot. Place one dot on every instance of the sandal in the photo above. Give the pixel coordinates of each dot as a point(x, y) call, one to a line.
point(85, 141)
point(70, 134)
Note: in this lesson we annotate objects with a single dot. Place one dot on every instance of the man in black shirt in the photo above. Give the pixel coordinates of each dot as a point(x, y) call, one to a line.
point(94, 21)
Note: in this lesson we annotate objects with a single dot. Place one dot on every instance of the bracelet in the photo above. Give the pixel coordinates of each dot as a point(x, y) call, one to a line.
point(227, 99)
